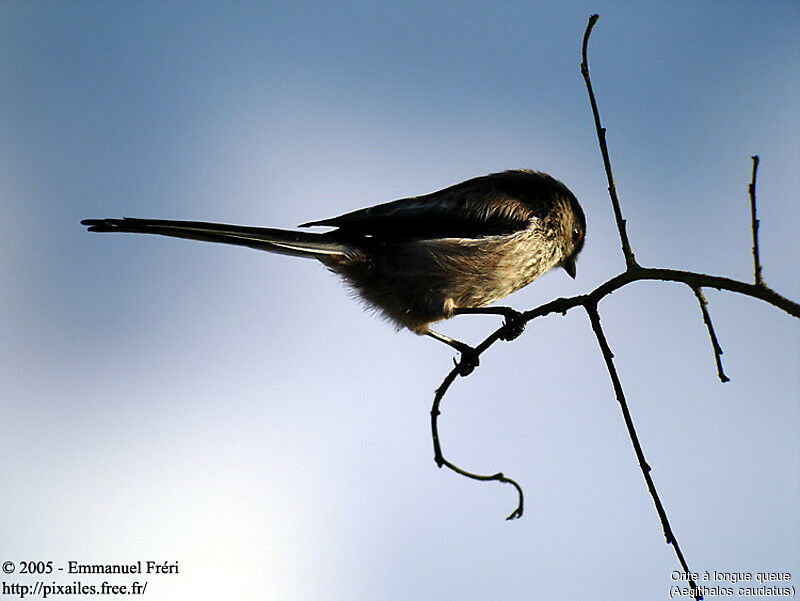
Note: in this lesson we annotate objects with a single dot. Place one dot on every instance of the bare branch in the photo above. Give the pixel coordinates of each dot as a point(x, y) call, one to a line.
point(754, 222)
point(590, 301)
point(562, 305)
point(630, 261)
point(714, 342)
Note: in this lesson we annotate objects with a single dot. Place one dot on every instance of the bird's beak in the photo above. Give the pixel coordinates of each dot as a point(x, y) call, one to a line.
point(569, 267)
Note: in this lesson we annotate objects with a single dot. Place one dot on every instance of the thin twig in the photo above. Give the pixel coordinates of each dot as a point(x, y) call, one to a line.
point(754, 222)
point(710, 326)
point(440, 460)
point(608, 356)
point(630, 261)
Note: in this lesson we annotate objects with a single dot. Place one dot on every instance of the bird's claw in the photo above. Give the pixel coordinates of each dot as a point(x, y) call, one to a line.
point(469, 361)
point(513, 326)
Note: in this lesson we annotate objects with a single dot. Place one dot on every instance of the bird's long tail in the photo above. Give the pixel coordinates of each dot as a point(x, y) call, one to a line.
point(298, 244)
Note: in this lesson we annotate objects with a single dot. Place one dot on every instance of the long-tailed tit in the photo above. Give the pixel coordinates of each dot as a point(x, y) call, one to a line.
point(427, 258)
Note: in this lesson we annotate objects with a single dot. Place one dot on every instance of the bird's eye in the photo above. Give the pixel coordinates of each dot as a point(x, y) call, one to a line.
point(577, 234)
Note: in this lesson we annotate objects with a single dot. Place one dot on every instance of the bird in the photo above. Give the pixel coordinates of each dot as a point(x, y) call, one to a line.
point(427, 258)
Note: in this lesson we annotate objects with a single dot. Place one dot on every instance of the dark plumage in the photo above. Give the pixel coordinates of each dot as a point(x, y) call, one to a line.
point(419, 260)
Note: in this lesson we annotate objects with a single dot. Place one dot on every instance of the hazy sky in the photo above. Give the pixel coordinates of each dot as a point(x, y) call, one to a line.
point(239, 413)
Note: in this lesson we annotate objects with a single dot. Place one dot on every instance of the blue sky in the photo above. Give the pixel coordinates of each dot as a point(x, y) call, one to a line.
point(239, 413)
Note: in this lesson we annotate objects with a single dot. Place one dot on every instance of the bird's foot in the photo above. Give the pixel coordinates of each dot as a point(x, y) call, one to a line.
point(469, 355)
point(469, 361)
point(513, 325)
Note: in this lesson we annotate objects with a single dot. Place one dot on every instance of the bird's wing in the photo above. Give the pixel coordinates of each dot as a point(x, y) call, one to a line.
point(478, 207)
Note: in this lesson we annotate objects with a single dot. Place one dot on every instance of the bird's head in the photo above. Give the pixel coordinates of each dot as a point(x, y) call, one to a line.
point(573, 230)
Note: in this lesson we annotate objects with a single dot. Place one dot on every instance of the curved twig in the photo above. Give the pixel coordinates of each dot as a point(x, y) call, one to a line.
point(438, 456)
